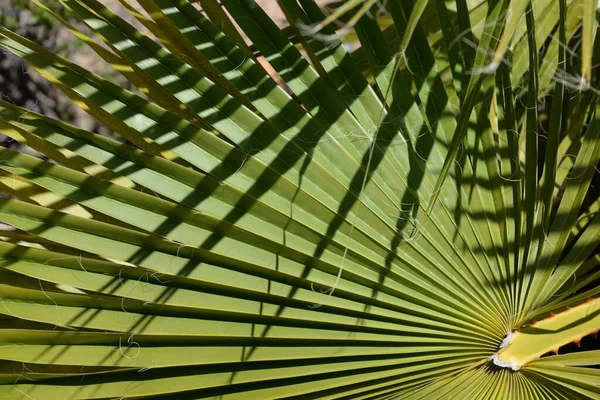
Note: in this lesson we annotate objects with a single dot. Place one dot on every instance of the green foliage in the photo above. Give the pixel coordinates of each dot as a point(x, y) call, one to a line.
point(40, 17)
point(289, 219)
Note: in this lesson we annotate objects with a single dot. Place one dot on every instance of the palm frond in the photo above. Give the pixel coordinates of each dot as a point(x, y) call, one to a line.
point(287, 218)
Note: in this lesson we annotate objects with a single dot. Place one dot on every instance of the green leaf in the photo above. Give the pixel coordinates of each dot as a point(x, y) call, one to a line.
point(288, 216)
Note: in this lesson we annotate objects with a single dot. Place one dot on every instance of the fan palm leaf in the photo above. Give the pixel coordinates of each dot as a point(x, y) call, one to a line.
point(285, 218)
